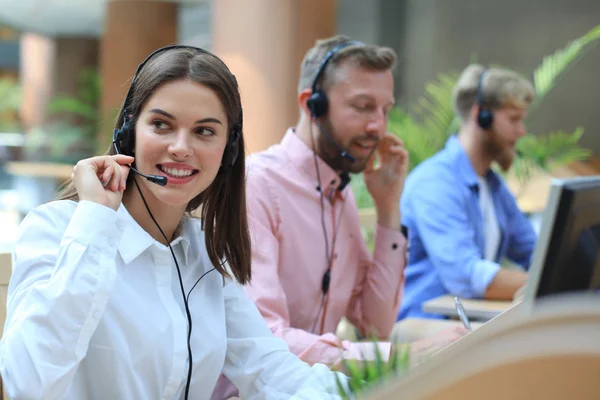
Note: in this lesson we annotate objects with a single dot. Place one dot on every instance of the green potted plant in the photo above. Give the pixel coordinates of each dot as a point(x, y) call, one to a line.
point(364, 375)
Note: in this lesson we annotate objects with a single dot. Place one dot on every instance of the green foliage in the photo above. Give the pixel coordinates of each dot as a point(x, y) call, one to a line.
point(426, 129)
point(72, 134)
point(556, 65)
point(545, 152)
point(10, 101)
point(85, 105)
point(364, 375)
point(424, 135)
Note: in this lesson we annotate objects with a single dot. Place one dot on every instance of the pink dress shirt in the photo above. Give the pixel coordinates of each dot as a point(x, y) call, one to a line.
point(289, 257)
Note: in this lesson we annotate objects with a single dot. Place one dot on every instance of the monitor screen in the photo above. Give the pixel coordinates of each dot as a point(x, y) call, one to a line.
point(567, 255)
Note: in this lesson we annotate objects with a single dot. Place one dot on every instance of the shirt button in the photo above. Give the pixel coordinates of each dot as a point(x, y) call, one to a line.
point(96, 314)
point(394, 246)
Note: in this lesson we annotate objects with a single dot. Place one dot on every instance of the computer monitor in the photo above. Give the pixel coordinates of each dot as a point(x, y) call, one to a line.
point(567, 255)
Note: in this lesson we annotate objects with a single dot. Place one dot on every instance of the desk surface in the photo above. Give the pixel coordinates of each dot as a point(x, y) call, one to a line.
point(413, 329)
point(475, 309)
point(61, 172)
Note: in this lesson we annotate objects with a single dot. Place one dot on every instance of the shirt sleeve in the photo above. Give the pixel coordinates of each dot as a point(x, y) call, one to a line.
point(267, 292)
point(260, 365)
point(375, 300)
point(442, 224)
point(63, 273)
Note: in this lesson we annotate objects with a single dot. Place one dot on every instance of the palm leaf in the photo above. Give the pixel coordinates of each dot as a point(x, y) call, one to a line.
point(544, 152)
point(433, 122)
point(434, 109)
point(555, 66)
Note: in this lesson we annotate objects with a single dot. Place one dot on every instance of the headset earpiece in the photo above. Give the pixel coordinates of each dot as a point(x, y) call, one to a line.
point(123, 137)
point(231, 152)
point(318, 103)
point(485, 116)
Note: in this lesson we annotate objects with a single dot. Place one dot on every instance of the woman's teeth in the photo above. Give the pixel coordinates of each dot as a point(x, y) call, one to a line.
point(178, 173)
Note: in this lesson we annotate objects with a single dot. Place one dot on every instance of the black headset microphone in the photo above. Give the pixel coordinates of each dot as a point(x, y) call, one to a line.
point(119, 133)
point(485, 116)
point(343, 152)
point(318, 104)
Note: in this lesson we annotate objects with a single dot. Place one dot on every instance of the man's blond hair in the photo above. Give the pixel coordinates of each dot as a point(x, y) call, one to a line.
point(500, 88)
point(366, 56)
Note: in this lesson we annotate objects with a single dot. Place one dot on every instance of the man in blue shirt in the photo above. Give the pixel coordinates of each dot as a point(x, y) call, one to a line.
point(461, 218)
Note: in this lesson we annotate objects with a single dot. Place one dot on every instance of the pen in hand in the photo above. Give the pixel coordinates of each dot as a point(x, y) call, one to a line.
point(461, 313)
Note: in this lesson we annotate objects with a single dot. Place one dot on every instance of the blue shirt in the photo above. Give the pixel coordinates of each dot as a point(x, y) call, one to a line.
point(440, 207)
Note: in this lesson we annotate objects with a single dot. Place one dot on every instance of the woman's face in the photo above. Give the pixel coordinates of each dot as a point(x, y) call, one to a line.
point(181, 134)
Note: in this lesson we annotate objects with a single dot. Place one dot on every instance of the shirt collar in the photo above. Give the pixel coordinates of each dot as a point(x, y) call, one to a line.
point(136, 240)
point(466, 172)
point(303, 158)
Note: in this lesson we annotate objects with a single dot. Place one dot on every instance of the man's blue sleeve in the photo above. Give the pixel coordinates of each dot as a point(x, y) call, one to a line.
point(441, 219)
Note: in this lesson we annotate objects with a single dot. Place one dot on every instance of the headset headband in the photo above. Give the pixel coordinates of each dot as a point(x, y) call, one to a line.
point(328, 56)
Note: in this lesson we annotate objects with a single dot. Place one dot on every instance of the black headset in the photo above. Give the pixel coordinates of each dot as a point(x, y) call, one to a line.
point(318, 103)
point(485, 116)
point(124, 137)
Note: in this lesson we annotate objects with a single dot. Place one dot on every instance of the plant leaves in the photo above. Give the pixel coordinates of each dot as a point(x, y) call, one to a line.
point(555, 66)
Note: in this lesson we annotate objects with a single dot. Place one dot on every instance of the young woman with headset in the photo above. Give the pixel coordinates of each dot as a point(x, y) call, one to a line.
point(117, 291)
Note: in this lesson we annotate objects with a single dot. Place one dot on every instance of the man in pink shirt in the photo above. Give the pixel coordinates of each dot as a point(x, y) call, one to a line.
point(310, 264)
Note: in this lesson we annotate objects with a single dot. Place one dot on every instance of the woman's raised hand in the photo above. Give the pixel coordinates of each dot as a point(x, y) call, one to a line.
point(102, 179)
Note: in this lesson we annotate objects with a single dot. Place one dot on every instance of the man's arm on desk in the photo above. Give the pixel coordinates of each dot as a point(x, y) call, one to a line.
point(505, 284)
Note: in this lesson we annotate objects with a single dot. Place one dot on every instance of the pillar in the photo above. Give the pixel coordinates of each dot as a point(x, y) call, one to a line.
point(263, 43)
point(73, 55)
point(132, 30)
point(36, 74)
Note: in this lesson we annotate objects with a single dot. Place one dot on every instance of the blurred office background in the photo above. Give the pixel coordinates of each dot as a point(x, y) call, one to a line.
point(65, 66)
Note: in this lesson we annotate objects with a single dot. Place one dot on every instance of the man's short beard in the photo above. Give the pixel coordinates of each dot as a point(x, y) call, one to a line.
point(496, 151)
point(332, 154)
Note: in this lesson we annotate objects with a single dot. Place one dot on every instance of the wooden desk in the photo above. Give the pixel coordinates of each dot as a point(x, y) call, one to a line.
point(413, 329)
point(61, 172)
point(482, 310)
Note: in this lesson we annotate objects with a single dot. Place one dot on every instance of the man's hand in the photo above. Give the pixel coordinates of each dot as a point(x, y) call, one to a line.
point(425, 348)
point(385, 182)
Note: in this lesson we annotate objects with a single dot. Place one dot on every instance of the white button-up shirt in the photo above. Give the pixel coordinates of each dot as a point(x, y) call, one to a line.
point(95, 311)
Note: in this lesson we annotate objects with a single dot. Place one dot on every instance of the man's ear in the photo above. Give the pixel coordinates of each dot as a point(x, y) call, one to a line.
point(302, 98)
point(474, 112)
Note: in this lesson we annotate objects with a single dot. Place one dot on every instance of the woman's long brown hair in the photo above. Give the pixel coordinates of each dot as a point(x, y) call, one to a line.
point(223, 203)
